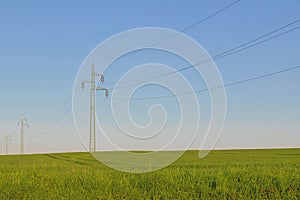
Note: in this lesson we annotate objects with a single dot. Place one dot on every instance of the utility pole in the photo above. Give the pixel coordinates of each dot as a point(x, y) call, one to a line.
point(6, 139)
point(94, 88)
point(23, 123)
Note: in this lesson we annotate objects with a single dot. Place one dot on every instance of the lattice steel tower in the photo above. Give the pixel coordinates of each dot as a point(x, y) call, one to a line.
point(6, 139)
point(23, 123)
point(93, 89)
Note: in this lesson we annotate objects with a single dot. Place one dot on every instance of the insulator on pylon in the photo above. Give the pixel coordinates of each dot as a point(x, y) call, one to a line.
point(102, 79)
point(82, 85)
point(106, 93)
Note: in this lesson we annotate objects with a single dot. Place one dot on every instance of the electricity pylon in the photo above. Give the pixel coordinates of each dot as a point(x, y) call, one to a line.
point(6, 139)
point(23, 123)
point(94, 88)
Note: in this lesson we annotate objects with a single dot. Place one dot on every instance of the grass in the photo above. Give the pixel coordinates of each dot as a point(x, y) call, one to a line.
point(230, 174)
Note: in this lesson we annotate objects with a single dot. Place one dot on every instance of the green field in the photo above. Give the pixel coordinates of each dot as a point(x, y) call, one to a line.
point(230, 174)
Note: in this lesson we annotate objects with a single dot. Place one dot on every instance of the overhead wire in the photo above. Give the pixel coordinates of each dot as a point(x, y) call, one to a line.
point(257, 43)
point(74, 129)
point(200, 21)
point(198, 91)
point(223, 54)
point(183, 30)
point(234, 50)
point(217, 87)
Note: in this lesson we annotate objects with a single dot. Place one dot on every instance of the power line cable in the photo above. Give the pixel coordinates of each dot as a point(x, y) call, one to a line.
point(53, 127)
point(64, 135)
point(59, 109)
point(258, 38)
point(223, 54)
point(257, 43)
point(74, 129)
point(183, 30)
point(187, 28)
point(217, 87)
point(198, 22)
point(227, 52)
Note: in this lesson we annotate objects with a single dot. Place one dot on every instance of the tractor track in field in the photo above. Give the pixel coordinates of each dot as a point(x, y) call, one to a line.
point(66, 159)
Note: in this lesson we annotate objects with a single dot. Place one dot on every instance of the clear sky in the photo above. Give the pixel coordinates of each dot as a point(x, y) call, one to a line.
point(43, 43)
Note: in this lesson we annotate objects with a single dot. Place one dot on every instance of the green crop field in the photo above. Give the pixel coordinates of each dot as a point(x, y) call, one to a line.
point(230, 174)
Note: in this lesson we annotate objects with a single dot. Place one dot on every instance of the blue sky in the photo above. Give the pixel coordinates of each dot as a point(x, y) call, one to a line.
point(44, 43)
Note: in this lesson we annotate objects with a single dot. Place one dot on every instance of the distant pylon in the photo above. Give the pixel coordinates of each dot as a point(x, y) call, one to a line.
point(23, 123)
point(94, 88)
point(6, 139)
